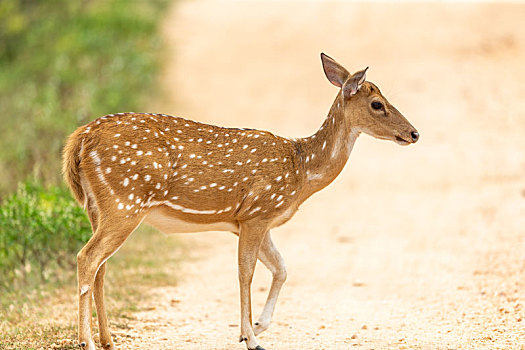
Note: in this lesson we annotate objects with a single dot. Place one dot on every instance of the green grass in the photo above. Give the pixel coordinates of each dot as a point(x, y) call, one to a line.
point(64, 63)
point(40, 230)
point(45, 315)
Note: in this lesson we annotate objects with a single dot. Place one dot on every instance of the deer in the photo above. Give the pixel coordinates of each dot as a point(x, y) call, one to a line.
point(181, 176)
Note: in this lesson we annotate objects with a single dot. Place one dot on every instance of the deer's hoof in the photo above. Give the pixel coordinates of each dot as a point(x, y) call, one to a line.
point(87, 345)
point(258, 347)
point(259, 327)
point(107, 343)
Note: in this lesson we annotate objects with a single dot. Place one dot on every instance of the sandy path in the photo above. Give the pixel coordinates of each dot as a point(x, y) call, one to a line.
point(411, 247)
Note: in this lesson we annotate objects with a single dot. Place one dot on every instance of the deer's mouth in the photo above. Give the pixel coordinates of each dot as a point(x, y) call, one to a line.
point(402, 141)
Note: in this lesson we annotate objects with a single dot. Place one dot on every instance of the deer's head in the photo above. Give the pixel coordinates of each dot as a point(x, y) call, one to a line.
point(366, 109)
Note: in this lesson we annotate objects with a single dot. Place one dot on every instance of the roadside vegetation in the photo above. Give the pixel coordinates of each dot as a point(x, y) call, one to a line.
point(62, 64)
point(43, 316)
point(41, 230)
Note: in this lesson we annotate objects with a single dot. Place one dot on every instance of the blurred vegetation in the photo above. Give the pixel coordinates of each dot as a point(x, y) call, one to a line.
point(148, 259)
point(40, 230)
point(63, 63)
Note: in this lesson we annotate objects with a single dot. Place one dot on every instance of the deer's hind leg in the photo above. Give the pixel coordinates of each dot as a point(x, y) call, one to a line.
point(271, 258)
point(98, 290)
point(109, 236)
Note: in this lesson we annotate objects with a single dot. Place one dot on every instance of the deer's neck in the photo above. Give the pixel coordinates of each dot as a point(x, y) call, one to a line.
point(325, 153)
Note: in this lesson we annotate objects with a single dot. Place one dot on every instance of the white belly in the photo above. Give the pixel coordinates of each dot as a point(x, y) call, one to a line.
point(170, 224)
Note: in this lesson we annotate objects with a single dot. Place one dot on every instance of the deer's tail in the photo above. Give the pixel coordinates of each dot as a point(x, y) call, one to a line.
point(71, 165)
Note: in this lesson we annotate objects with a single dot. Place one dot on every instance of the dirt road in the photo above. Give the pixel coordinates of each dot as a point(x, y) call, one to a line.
point(419, 247)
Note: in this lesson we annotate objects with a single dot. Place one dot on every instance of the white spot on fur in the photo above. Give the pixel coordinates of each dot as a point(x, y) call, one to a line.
point(95, 157)
point(183, 209)
point(254, 210)
point(314, 176)
point(84, 289)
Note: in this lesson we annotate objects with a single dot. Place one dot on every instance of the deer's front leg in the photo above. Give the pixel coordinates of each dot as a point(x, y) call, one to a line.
point(271, 258)
point(250, 237)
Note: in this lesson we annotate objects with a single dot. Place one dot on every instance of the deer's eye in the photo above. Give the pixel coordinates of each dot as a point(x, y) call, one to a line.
point(377, 105)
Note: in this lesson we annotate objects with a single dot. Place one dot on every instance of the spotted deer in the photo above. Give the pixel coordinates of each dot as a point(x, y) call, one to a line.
point(180, 175)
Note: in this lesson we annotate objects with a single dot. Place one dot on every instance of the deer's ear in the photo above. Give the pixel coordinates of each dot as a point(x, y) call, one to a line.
point(336, 73)
point(354, 83)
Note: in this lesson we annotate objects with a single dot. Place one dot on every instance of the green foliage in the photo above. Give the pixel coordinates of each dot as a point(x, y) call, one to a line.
point(40, 230)
point(63, 63)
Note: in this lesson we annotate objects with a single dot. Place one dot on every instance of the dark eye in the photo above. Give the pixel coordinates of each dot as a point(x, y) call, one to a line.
point(377, 105)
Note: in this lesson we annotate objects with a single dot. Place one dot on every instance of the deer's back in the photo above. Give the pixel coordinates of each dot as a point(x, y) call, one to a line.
point(142, 161)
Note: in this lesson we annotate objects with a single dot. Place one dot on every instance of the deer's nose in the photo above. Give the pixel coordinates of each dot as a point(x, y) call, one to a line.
point(415, 136)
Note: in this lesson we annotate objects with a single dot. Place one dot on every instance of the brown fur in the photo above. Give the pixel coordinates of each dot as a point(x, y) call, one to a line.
point(71, 165)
